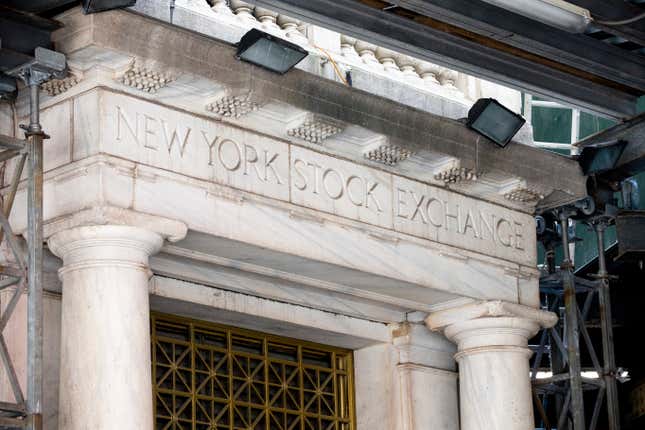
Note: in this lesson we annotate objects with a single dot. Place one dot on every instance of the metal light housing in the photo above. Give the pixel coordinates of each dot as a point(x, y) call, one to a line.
point(8, 88)
point(629, 232)
point(94, 6)
point(556, 13)
point(490, 118)
point(601, 157)
point(269, 52)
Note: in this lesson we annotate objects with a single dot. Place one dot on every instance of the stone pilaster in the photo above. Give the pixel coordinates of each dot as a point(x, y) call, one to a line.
point(493, 356)
point(105, 378)
point(427, 379)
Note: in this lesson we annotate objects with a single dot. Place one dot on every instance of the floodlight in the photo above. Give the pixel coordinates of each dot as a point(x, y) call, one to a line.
point(270, 52)
point(601, 157)
point(489, 118)
point(94, 6)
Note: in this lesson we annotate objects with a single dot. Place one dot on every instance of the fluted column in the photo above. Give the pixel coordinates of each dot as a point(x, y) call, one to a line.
point(493, 356)
point(105, 378)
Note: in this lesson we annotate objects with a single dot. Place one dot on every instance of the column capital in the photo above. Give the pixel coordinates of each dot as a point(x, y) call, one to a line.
point(484, 309)
point(109, 236)
point(169, 229)
point(490, 325)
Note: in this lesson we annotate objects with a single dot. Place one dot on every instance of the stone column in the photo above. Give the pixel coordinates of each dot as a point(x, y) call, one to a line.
point(105, 377)
point(493, 356)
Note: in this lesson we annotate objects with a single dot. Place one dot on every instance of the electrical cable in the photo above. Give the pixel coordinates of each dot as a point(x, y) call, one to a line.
point(334, 65)
point(622, 22)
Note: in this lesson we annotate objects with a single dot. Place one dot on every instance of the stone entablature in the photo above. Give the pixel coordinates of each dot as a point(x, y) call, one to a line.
point(156, 136)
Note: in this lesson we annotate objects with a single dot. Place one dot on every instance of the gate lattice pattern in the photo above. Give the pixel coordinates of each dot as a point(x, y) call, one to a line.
point(212, 377)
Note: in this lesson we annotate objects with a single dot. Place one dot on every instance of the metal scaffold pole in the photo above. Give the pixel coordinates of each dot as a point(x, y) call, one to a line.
point(572, 330)
point(35, 137)
point(606, 327)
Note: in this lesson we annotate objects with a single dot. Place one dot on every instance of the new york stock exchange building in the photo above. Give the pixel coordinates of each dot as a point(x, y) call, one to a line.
point(230, 248)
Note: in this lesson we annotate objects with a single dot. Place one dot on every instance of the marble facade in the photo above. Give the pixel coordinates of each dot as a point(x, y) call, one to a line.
point(180, 180)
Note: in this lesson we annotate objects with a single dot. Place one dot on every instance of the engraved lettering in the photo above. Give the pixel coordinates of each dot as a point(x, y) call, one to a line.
point(505, 239)
point(134, 131)
point(418, 209)
point(237, 160)
point(400, 203)
point(268, 165)
point(470, 223)
point(456, 217)
point(370, 194)
point(211, 146)
point(175, 138)
point(519, 237)
point(487, 226)
point(147, 131)
point(350, 195)
point(315, 169)
point(332, 195)
point(429, 212)
point(251, 157)
point(300, 182)
point(350, 190)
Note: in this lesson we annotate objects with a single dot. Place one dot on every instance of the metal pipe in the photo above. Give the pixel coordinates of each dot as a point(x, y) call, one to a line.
point(572, 330)
point(606, 327)
point(35, 268)
point(556, 13)
point(34, 108)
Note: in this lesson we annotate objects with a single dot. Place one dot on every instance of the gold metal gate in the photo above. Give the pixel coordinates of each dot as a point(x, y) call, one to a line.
point(211, 377)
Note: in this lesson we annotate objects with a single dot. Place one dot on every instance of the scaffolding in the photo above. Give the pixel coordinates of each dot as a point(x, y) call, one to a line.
point(572, 298)
point(24, 274)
